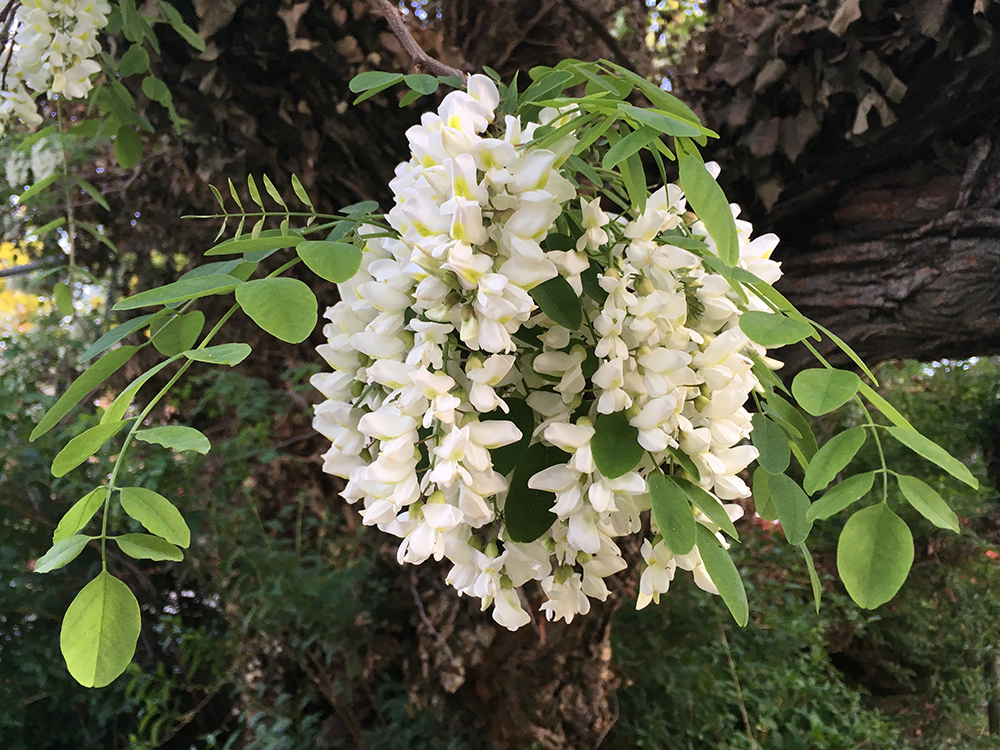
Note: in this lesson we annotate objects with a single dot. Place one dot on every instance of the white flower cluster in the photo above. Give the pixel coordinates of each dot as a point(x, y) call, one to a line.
point(52, 52)
point(438, 335)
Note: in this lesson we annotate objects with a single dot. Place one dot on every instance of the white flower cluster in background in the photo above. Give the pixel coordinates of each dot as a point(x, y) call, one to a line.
point(54, 43)
point(438, 341)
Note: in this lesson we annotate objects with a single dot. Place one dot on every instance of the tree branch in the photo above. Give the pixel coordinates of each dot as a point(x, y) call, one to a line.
point(602, 31)
point(420, 59)
point(28, 267)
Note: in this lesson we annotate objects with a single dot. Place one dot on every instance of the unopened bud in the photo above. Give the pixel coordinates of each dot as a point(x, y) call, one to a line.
point(491, 551)
point(644, 286)
point(701, 402)
point(563, 573)
point(437, 497)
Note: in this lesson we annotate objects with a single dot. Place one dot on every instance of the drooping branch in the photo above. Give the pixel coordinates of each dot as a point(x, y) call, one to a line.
point(421, 60)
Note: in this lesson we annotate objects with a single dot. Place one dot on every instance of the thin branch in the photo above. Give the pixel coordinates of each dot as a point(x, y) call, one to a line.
point(28, 267)
point(602, 31)
point(420, 59)
point(524, 31)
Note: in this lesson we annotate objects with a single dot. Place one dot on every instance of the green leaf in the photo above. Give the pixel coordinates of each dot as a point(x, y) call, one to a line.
point(300, 192)
point(83, 446)
point(707, 200)
point(831, 459)
point(934, 453)
point(64, 298)
point(156, 90)
point(270, 240)
point(285, 308)
point(817, 585)
point(673, 515)
point(659, 98)
point(273, 192)
point(92, 191)
point(634, 177)
point(820, 391)
point(119, 332)
point(133, 62)
point(38, 187)
point(99, 631)
point(527, 513)
point(791, 504)
point(176, 21)
point(373, 79)
point(333, 261)
point(707, 504)
point(236, 195)
point(762, 494)
point(178, 291)
point(557, 299)
point(615, 445)
point(885, 407)
point(178, 333)
point(506, 457)
point(772, 330)
point(928, 503)
point(157, 514)
point(630, 144)
point(148, 547)
point(62, 553)
point(128, 147)
point(720, 568)
point(49, 226)
point(684, 461)
point(80, 514)
point(841, 496)
point(659, 121)
point(221, 354)
point(783, 411)
point(176, 437)
point(874, 555)
point(120, 405)
point(420, 83)
point(772, 443)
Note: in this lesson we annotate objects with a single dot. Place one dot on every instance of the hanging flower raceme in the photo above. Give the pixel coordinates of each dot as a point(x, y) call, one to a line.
point(518, 369)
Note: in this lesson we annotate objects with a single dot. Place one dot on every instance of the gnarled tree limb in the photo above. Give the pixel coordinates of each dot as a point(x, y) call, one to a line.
point(421, 60)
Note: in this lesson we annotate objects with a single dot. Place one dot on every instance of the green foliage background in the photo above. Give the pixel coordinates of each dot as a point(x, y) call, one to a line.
point(279, 588)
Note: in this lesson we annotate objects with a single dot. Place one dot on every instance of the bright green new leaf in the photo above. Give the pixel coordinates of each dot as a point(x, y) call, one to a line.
point(615, 445)
point(664, 123)
point(557, 299)
point(673, 515)
point(221, 354)
point(300, 191)
point(176, 437)
point(791, 504)
point(710, 204)
point(61, 553)
point(772, 443)
point(117, 333)
point(333, 261)
point(874, 555)
point(99, 631)
point(928, 503)
point(721, 569)
point(820, 391)
point(630, 144)
point(762, 494)
point(285, 308)
point(83, 446)
point(148, 547)
point(884, 406)
point(92, 377)
point(177, 334)
point(527, 513)
point(80, 514)
point(709, 505)
point(38, 187)
point(254, 192)
point(934, 453)
point(178, 291)
point(273, 192)
point(128, 147)
point(64, 298)
point(773, 330)
point(832, 458)
point(91, 190)
point(269, 240)
point(841, 496)
point(120, 405)
point(157, 514)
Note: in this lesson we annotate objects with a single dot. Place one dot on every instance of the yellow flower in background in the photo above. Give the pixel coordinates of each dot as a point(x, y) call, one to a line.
point(17, 308)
